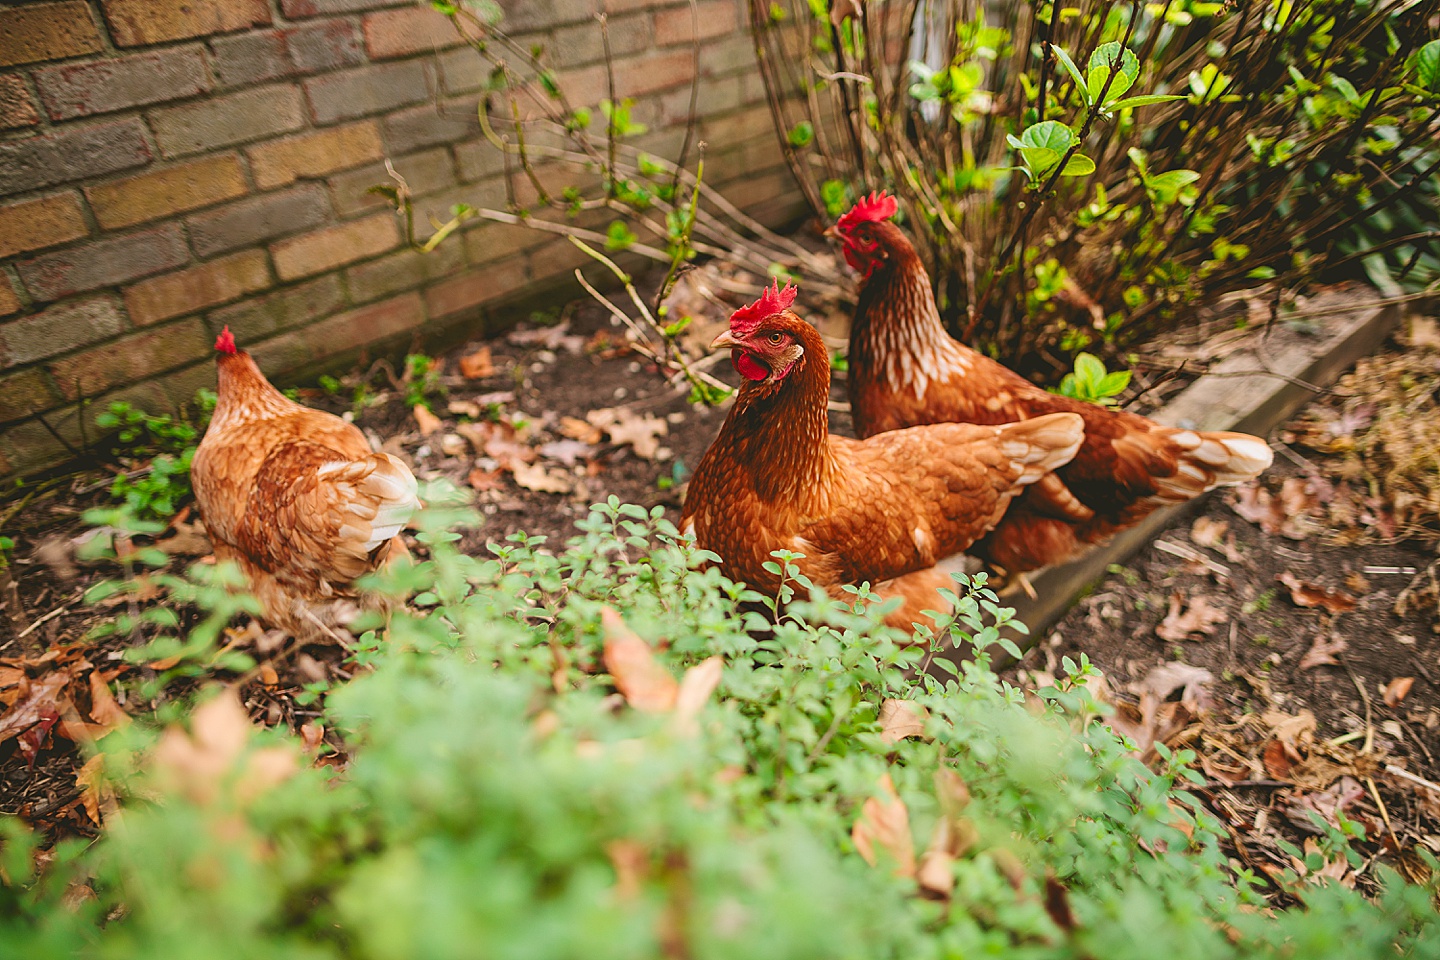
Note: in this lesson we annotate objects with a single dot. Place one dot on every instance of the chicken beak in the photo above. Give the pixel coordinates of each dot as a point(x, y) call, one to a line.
point(832, 231)
point(726, 339)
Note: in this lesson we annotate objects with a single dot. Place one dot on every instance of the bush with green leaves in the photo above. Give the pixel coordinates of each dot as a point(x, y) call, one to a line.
point(1078, 173)
point(500, 800)
point(156, 488)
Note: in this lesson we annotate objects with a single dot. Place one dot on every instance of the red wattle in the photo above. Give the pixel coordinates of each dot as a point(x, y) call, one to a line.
point(747, 366)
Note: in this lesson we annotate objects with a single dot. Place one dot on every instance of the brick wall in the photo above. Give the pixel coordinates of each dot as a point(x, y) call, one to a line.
point(171, 166)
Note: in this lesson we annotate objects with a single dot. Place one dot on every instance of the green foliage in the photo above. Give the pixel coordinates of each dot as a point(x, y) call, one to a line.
point(1091, 382)
point(421, 380)
point(1160, 153)
point(497, 798)
point(157, 488)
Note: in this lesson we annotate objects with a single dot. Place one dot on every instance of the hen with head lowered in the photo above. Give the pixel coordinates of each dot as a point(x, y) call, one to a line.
point(297, 499)
point(904, 370)
point(869, 510)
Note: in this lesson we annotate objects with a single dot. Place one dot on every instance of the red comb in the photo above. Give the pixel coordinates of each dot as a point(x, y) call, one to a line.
point(225, 343)
point(878, 206)
point(747, 318)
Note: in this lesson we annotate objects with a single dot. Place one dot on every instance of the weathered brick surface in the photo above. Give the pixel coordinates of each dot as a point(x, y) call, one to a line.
point(17, 109)
point(223, 121)
point(41, 223)
point(297, 9)
point(254, 57)
point(638, 76)
point(736, 52)
point(279, 162)
point(25, 393)
point(197, 288)
point(426, 172)
point(71, 154)
point(398, 33)
point(581, 43)
point(336, 246)
point(104, 86)
point(714, 96)
point(521, 15)
point(292, 307)
point(366, 90)
point(365, 326)
point(46, 31)
point(136, 23)
point(132, 358)
point(104, 263)
point(259, 219)
point(9, 302)
point(405, 270)
point(716, 18)
point(461, 71)
point(429, 124)
point(150, 196)
point(479, 285)
point(326, 45)
point(60, 329)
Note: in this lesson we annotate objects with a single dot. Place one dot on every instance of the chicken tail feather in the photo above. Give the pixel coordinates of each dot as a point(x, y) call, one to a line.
point(1209, 460)
point(369, 501)
point(1036, 447)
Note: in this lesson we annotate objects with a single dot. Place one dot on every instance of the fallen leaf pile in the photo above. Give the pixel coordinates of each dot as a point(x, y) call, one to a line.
point(1200, 616)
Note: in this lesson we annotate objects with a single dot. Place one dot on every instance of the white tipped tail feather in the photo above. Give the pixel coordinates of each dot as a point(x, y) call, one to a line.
point(1205, 461)
point(1036, 447)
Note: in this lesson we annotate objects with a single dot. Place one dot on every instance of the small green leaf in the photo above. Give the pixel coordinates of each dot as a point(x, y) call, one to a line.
point(1142, 101)
point(1089, 369)
point(1078, 165)
point(1427, 66)
point(801, 134)
point(1106, 58)
point(1073, 70)
point(1113, 383)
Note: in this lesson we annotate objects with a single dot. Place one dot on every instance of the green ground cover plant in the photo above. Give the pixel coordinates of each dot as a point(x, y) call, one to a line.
point(522, 774)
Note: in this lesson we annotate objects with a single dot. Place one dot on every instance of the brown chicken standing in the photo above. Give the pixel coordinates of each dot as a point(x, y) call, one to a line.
point(883, 510)
point(906, 370)
point(297, 498)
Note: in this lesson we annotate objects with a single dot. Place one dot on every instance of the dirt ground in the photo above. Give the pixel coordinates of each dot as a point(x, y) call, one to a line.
point(1262, 632)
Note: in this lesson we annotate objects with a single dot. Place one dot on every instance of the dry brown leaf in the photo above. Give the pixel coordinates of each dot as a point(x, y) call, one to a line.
point(952, 837)
point(567, 452)
point(189, 540)
point(696, 687)
point(900, 719)
point(631, 863)
point(1200, 617)
point(1277, 761)
point(199, 762)
point(1397, 690)
point(533, 476)
point(96, 795)
point(1306, 594)
point(577, 429)
point(1205, 532)
point(425, 420)
point(1295, 732)
point(625, 426)
point(1322, 652)
point(312, 735)
point(103, 708)
point(884, 824)
point(643, 681)
point(477, 365)
point(482, 480)
point(1424, 333)
point(40, 702)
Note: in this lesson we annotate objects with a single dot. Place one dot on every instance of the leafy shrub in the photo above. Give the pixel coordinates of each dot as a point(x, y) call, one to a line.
point(156, 488)
point(1075, 174)
point(499, 800)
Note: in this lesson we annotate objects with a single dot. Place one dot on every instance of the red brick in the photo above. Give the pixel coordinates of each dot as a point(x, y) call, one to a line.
point(279, 162)
point(292, 307)
point(46, 31)
point(716, 18)
point(104, 263)
point(103, 86)
point(403, 271)
point(222, 121)
point(638, 76)
point(250, 58)
point(135, 23)
point(326, 45)
point(62, 328)
point(298, 9)
point(188, 291)
point(480, 285)
point(37, 224)
point(9, 303)
point(583, 43)
point(427, 172)
point(335, 246)
point(71, 154)
point(522, 15)
point(16, 107)
point(26, 392)
point(132, 358)
point(430, 123)
point(150, 196)
point(397, 33)
point(259, 219)
point(365, 326)
point(366, 90)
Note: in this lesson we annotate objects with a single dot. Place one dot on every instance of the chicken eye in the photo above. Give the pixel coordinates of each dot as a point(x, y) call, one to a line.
point(776, 338)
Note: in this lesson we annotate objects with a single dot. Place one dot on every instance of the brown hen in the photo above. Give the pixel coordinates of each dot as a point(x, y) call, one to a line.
point(859, 510)
point(904, 370)
point(297, 499)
